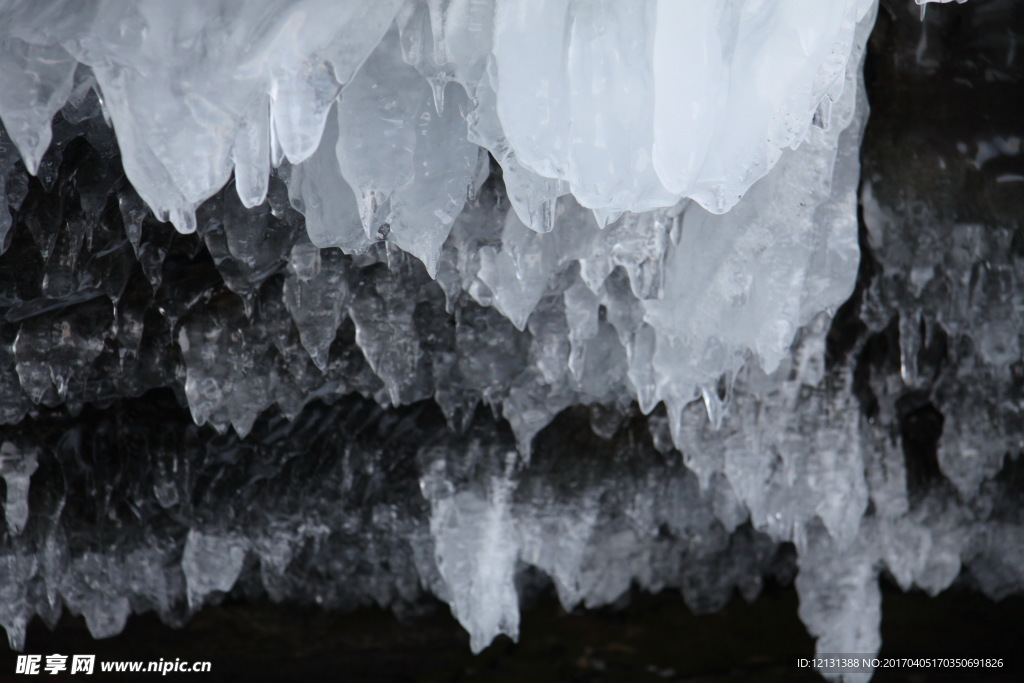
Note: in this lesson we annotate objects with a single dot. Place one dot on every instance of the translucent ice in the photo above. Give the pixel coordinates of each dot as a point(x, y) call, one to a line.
point(620, 145)
point(452, 223)
point(16, 468)
point(211, 563)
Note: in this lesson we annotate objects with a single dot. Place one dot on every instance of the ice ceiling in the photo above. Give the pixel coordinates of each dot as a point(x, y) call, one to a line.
point(525, 205)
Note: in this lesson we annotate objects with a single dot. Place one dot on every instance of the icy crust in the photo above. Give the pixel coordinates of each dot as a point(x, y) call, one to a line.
point(628, 107)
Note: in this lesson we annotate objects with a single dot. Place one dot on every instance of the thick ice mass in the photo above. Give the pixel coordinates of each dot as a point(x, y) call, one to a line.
point(377, 117)
point(425, 230)
point(628, 108)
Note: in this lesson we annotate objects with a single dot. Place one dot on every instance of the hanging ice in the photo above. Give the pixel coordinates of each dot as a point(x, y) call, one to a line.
point(627, 107)
point(373, 109)
point(524, 206)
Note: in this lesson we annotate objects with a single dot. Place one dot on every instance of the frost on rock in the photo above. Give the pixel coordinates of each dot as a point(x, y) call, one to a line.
point(483, 310)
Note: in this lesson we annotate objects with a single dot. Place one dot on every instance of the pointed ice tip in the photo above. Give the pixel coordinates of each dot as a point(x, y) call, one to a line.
point(319, 359)
point(252, 198)
point(184, 221)
point(518, 319)
point(242, 426)
point(249, 306)
point(437, 86)
point(647, 400)
point(541, 219)
point(605, 217)
point(31, 163)
point(713, 405)
point(523, 452)
point(16, 634)
point(478, 641)
point(429, 257)
point(32, 146)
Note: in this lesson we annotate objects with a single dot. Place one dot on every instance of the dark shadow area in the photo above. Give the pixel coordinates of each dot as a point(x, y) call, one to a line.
point(652, 638)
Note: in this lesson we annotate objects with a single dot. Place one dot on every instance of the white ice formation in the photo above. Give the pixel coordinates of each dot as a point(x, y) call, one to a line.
point(624, 135)
point(627, 107)
point(682, 180)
